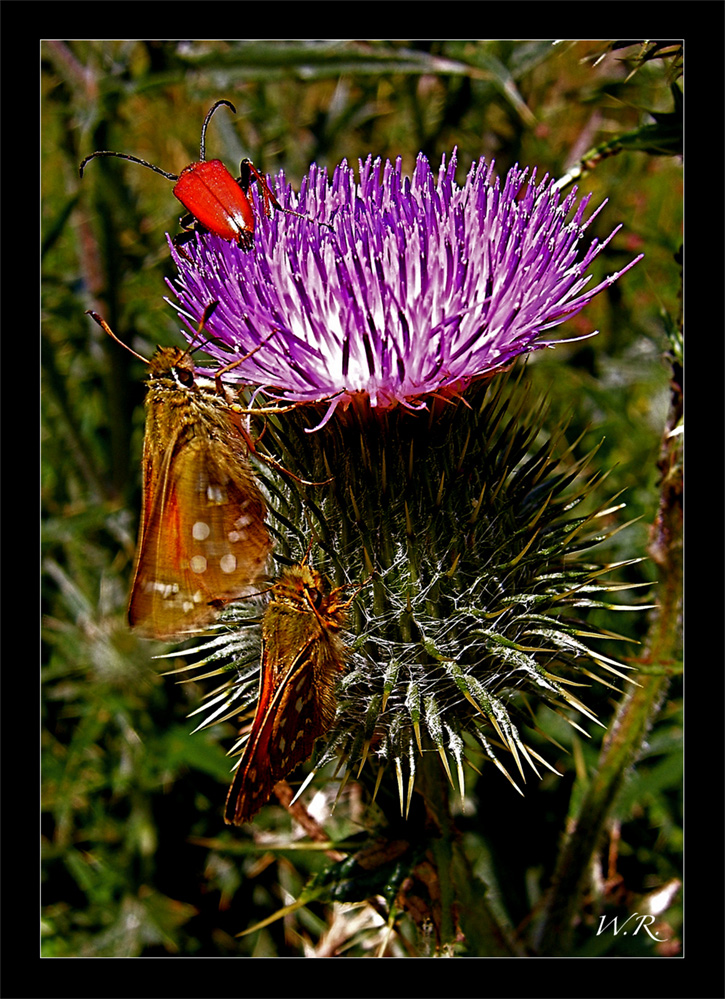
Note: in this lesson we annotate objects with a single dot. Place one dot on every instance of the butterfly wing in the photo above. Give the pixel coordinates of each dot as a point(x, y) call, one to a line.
point(301, 660)
point(203, 540)
point(284, 731)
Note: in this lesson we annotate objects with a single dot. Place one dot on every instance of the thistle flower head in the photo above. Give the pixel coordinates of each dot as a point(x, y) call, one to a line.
point(398, 287)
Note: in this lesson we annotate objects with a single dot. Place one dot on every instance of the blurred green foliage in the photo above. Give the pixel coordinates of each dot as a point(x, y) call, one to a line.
point(136, 858)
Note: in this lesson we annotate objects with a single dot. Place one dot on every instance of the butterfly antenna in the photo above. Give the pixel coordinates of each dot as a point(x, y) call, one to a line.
point(107, 329)
point(205, 317)
point(309, 547)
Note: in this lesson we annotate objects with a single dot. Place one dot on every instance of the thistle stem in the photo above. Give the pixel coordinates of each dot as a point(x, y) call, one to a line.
point(465, 917)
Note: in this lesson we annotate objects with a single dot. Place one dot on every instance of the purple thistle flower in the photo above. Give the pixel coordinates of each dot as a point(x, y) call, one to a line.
point(419, 286)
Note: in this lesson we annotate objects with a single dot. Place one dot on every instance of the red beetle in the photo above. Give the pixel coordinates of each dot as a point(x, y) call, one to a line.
point(216, 202)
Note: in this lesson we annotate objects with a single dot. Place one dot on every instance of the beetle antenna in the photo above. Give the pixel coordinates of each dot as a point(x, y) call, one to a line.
point(128, 156)
point(202, 145)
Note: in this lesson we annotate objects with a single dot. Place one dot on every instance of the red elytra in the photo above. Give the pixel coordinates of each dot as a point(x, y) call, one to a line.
point(216, 200)
point(217, 203)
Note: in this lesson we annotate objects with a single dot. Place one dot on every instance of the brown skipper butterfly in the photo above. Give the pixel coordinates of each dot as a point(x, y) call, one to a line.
point(302, 657)
point(202, 540)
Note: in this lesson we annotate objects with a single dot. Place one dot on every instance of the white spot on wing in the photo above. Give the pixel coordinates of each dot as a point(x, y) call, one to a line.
point(228, 563)
point(197, 564)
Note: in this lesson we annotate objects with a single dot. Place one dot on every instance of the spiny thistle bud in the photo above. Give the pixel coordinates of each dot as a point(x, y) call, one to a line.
point(409, 470)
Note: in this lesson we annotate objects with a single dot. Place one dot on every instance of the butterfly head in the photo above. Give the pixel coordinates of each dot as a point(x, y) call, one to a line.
point(174, 363)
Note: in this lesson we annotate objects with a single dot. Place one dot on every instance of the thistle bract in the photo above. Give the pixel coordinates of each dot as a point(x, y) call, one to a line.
point(459, 524)
point(400, 287)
